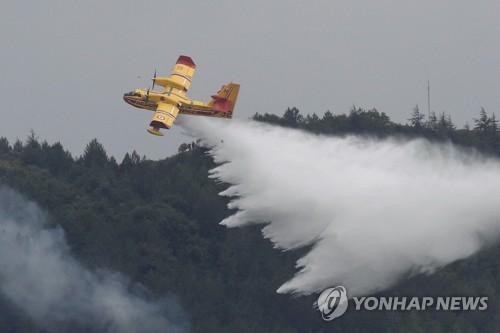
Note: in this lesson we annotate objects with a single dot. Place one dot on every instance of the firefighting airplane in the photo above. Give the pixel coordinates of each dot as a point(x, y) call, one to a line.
point(172, 100)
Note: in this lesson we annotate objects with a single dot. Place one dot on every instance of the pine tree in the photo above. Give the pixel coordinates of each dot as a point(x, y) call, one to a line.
point(493, 123)
point(417, 118)
point(483, 122)
point(4, 146)
point(432, 122)
point(445, 122)
point(94, 154)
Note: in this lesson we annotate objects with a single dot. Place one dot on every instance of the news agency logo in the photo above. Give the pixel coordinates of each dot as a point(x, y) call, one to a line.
point(332, 303)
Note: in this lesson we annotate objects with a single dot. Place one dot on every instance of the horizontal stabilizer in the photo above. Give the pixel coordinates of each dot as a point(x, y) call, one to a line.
point(223, 105)
point(226, 98)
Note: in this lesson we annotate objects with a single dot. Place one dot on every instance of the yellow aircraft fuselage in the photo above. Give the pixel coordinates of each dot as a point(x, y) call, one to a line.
point(172, 100)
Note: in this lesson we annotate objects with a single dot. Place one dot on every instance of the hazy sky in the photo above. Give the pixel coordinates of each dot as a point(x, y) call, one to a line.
point(66, 64)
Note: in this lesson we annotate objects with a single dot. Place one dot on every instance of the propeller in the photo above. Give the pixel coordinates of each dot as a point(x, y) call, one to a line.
point(147, 95)
point(154, 80)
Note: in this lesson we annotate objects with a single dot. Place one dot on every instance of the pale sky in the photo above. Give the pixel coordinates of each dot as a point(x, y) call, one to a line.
point(66, 64)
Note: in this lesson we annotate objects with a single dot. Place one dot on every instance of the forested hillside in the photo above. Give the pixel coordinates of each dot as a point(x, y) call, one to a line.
point(157, 223)
point(483, 135)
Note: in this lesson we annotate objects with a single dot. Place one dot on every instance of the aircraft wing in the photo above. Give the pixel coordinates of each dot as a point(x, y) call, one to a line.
point(164, 117)
point(182, 73)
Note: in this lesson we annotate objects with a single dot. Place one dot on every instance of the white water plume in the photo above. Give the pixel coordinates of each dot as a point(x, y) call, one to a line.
point(372, 210)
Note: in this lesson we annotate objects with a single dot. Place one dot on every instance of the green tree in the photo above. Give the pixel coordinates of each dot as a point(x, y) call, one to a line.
point(493, 123)
point(18, 146)
point(432, 121)
point(94, 155)
point(32, 152)
point(4, 146)
point(292, 117)
point(483, 122)
point(312, 122)
point(57, 159)
point(445, 123)
point(417, 118)
point(127, 162)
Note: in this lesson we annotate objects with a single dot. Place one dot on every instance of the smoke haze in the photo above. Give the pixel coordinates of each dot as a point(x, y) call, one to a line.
point(372, 210)
point(38, 274)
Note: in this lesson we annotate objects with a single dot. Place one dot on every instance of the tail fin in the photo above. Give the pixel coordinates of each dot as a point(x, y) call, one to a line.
point(225, 100)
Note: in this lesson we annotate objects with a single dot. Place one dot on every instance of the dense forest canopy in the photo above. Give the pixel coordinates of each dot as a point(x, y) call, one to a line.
point(157, 223)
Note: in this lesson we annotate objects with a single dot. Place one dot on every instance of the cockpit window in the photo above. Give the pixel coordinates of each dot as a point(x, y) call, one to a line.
point(133, 93)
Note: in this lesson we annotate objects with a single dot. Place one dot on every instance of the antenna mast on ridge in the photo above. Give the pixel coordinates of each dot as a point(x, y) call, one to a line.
point(428, 99)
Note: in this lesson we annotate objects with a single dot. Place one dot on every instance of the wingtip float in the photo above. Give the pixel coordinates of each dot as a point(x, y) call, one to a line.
point(172, 101)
